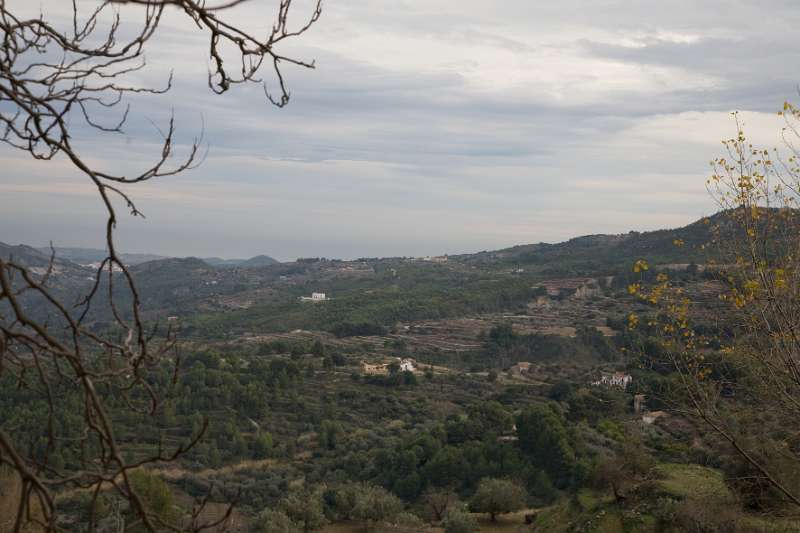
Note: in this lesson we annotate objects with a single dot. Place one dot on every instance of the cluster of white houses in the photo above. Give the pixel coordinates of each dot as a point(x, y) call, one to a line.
point(404, 365)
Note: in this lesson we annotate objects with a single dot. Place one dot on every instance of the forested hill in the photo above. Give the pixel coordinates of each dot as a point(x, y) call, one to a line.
point(383, 290)
point(258, 261)
point(588, 254)
point(598, 253)
point(26, 255)
point(84, 256)
point(38, 261)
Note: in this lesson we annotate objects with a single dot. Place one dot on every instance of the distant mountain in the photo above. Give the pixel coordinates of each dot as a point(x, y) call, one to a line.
point(253, 262)
point(188, 286)
point(167, 265)
point(185, 284)
point(601, 253)
point(259, 261)
point(38, 259)
point(67, 280)
point(223, 263)
point(85, 256)
point(24, 254)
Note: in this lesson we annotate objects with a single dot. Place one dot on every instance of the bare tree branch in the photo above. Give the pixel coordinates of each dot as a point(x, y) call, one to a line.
point(52, 82)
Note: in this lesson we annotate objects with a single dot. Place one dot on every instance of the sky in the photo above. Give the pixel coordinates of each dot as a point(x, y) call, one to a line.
point(431, 127)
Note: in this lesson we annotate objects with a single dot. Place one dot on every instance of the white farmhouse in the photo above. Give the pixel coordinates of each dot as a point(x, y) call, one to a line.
point(617, 379)
point(315, 297)
point(403, 365)
point(407, 365)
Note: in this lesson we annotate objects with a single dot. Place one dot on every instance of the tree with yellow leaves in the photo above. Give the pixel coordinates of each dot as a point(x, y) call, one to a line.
point(744, 383)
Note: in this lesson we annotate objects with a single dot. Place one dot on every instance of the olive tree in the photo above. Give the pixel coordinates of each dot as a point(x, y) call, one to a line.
point(497, 496)
point(741, 378)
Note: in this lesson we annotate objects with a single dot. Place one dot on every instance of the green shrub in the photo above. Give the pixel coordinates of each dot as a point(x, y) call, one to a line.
point(459, 521)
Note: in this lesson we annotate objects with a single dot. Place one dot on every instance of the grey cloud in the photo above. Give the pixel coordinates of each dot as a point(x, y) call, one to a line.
point(375, 156)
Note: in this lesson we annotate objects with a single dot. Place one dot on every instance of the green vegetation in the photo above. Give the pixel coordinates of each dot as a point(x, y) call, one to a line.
point(369, 312)
point(469, 440)
point(497, 496)
point(459, 521)
point(156, 496)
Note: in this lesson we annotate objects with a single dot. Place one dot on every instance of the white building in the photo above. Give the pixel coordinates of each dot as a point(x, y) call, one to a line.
point(617, 379)
point(315, 297)
point(403, 365)
point(378, 369)
point(523, 367)
point(407, 365)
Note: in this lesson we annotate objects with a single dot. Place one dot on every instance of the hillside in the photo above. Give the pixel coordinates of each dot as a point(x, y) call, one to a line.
point(585, 255)
point(64, 272)
point(85, 256)
point(258, 261)
point(222, 263)
point(504, 346)
point(27, 255)
point(593, 254)
point(264, 293)
point(253, 262)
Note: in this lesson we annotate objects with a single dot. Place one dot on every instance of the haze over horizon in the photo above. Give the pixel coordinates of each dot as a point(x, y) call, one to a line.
point(430, 129)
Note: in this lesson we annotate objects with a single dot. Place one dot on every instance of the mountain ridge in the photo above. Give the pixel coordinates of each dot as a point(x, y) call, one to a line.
point(83, 256)
point(681, 244)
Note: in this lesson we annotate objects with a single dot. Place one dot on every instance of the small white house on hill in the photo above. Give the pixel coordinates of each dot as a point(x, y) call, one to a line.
point(523, 367)
point(374, 369)
point(407, 365)
point(315, 297)
point(403, 365)
point(617, 379)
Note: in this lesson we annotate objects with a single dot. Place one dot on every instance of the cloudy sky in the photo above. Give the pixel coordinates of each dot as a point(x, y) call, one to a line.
point(434, 126)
